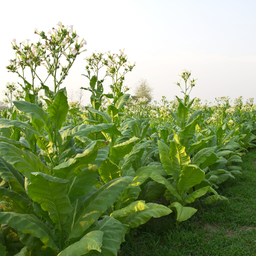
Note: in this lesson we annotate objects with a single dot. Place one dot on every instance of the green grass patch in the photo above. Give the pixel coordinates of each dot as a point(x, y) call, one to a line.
point(217, 229)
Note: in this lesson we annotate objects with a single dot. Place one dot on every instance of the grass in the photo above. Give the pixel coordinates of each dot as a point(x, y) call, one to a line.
point(219, 229)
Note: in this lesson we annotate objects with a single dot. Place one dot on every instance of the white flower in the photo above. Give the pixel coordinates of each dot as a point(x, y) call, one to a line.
point(74, 51)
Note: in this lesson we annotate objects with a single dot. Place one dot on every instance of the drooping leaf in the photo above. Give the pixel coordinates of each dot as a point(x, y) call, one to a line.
point(18, 144)
point(24, 161)
point(14, 202)
point(143, 173)
point(138, 213)
point(196, 194)
point(117, 152)
point(182, 212)
point(94, 206)
point(114, 232)
point(92, 241)
point(36, 112)
point(67, 170)
point(203, 155)
point(109, 128)
point(7, 123)
point(105, 116)
point(51, 193)
point(12, 176)
point(29, 224)
point(160, 179)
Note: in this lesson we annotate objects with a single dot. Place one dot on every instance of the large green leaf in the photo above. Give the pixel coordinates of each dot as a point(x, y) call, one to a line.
point(143, 173)
point(94, 206)
point(36, 112)
point(19, 144)
point(182, 212)
point(165, 158)
point(203, 155)
point(29, 224)
point(178, 155)
point(109, 171)
point(105, 116)
point(118, 152)
point(160, 179)
point(196, 194)
point(138, 213)
point(109, 128)
point(7, 123)
point(51, 193)
point(12, 176)
point(91, 241)
point(14, 202)
point(136, 152)
point(190, 176)
point(81, 184)
point(174, 159)
point(24, 161)
point(59, 109)
point(68, 169)
point(114, 232)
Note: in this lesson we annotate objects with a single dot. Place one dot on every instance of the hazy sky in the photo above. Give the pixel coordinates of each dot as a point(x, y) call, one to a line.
point(215, 39)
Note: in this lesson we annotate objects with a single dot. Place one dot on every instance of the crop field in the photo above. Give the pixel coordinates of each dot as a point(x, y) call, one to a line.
point(121, 176)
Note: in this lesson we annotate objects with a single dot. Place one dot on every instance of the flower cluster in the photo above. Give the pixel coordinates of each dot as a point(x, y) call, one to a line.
point(116, 66)
point(60, 44)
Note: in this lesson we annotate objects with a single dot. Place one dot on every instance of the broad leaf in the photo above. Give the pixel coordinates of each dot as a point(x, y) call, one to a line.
point(182, 212)
point(91, 241)
point(105, 116)
point(117, 152)
point(36, 112)
point(14, 202)
point(203, 155)
point(59, 109)
point(190, 176)
point(68, 169)
point(165, 158)
point(143, 173)
point(160, 179)
point(138, 213)
point(109, 171)
point(29, 224)
point(94, 206)
point(7, 123)
point(114, 232)
point(24, 161)
point(80, 185)
point(51, 193)
point(12, 176)
point(196, 194)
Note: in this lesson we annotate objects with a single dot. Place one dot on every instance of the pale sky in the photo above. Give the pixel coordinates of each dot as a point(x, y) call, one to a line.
point(215, 39)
